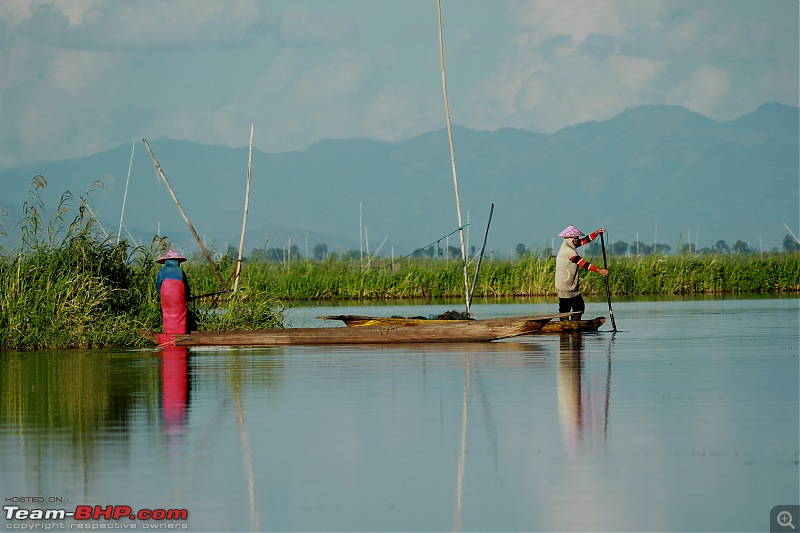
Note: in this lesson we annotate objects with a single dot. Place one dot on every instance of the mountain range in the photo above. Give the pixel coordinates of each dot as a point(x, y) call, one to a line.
point(651, 173)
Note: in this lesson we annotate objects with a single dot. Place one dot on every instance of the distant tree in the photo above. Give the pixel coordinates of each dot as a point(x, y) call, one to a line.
point(619, 248)
point(428, 252)
point(520, 250)
point(790, 244)
point(258, 254)
point(641, 248)
point(663, 249)
point(721, 247)
point(453, 252)
point(320, 251)
point(687, 249)
point(741, 248)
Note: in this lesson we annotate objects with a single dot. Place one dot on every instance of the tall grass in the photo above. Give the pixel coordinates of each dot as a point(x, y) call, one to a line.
point(67, 286)
point(429, 278)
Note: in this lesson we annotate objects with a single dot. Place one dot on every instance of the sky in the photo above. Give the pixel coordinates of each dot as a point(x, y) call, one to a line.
point(82, 76)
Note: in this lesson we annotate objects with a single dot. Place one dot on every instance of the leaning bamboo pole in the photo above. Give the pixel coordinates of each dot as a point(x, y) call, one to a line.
point(186, 218)
point(453, 162)
point(125, 196)
point(246, 203)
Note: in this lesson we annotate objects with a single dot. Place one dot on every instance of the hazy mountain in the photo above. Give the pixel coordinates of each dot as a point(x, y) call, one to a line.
point(660, 172)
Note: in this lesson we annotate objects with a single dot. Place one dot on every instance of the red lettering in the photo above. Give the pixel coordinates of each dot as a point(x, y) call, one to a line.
point(83, 512)
point(100, 512)
point(120, 511)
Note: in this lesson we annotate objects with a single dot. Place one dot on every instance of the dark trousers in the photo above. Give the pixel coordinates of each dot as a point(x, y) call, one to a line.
point(565, 305)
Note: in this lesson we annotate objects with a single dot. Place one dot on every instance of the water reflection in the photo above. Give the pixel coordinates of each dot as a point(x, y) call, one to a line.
point(174, 392)
point(580, 395)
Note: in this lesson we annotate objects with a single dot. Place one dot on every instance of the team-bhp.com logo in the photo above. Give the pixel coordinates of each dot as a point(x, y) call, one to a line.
point(88, 517)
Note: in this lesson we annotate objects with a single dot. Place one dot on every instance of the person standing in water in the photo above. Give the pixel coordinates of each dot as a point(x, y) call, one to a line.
point(568, 262)
point(172, 289)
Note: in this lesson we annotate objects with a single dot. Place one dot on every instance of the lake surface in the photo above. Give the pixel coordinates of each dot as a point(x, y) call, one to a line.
point(686, 419)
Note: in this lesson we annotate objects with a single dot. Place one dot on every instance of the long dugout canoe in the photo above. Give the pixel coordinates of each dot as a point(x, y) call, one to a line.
point(452, 331)
point(553, 326)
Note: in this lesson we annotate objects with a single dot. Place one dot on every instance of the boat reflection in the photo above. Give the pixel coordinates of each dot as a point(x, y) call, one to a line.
point(582, 404)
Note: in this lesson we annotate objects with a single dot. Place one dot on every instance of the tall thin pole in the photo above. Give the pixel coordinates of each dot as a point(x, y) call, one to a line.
point(186, 219)
point(453, 162)
point(480, 257)
point(246, 203)
point(125, 196)
point(608, 288)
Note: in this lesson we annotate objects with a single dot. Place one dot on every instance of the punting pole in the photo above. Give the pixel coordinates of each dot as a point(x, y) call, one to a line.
point(246, 202)
point(185, 218)
point(608, 288)
point(453, 161)
point(480, 258)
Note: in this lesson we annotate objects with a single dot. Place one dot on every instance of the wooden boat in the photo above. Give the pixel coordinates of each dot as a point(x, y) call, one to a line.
point(451, 331)
point(554, 326)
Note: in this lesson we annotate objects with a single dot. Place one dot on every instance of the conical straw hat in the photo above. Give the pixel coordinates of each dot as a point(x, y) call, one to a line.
point(571, 231)
point(172, 254)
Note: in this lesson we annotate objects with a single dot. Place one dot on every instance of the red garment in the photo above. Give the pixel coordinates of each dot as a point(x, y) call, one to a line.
point(173, 306)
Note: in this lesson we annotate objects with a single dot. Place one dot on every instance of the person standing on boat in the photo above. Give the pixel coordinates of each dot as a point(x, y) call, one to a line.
point(568, 262)
point(172, 289)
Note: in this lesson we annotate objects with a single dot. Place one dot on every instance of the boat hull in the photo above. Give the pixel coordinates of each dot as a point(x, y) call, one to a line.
point(452, 331)
point(553, 326)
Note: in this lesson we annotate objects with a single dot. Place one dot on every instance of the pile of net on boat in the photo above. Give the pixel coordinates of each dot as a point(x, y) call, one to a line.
point(447, 315)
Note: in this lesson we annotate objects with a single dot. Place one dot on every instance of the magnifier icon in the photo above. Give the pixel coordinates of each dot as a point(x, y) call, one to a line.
point(785, 519)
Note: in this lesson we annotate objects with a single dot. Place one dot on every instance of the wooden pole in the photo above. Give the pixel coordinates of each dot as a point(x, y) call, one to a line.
point(453, 162)
point(608, 288)
point(125, 196)
point(480, 258)
point(186, 219)
point(246, 203)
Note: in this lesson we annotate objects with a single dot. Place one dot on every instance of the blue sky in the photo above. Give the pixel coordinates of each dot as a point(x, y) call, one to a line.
point(81, 76)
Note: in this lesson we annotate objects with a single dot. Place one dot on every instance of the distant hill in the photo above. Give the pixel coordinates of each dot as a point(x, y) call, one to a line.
point(656, 173)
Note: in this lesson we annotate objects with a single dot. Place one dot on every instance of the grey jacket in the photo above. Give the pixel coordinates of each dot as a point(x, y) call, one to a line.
point(568, 282)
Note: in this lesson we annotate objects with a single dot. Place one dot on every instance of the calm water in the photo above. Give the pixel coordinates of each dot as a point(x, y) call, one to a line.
point(684, 420)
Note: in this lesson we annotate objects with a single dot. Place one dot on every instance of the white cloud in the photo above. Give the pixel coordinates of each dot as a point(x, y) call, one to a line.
point(301, 26)
point(703, 91)
point(85, 73)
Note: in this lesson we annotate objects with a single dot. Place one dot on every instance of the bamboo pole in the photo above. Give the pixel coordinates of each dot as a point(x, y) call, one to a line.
point(791, 233)
point(186, 218)
point(246, 203)
point(480, 258)
point(125, 196)
point(453, 162)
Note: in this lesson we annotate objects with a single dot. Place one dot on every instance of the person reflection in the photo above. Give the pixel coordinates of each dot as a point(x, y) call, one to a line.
point(570, 395)
point(174, 390)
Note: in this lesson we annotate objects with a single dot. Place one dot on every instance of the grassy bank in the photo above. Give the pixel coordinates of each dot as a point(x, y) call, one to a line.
point(67, 285)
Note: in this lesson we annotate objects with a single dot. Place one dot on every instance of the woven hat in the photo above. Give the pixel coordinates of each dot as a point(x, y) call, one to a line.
point(571, 231)
point(172, 254)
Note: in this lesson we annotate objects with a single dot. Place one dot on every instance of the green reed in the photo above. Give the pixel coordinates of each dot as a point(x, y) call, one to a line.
point(68, 286)
point(429, 278)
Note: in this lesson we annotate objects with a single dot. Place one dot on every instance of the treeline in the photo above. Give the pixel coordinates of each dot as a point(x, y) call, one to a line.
point(320, 252)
